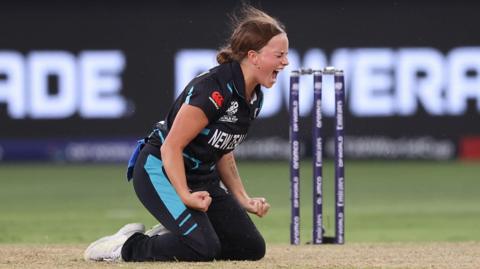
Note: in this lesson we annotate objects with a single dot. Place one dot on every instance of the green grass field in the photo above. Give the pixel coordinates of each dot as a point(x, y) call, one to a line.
point(385, 201)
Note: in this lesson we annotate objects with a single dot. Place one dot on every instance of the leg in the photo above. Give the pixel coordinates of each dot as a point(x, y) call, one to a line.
point(191, 236)
point(239, 238)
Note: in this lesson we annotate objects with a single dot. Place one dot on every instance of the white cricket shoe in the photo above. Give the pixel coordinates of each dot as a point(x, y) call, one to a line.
point(109, 248)
point(158, 229)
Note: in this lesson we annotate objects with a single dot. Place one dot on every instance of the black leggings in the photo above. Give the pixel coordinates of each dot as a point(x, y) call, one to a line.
point(224, 232)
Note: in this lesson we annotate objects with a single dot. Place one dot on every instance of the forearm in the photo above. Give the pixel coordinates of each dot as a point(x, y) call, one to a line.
point(230, 177)
point(174, 167)
point(227, 168)
point(190, 120)
point(172, 157)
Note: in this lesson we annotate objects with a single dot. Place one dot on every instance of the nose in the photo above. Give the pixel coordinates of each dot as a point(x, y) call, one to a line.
point(285, 60)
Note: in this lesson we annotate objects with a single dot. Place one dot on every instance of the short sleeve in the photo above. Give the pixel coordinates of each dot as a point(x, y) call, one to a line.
point(208, 97)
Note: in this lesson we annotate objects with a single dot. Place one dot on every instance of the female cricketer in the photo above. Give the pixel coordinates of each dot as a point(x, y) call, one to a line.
point(179, 168)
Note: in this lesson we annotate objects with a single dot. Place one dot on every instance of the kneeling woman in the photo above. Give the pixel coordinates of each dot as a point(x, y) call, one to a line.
point(178, 170)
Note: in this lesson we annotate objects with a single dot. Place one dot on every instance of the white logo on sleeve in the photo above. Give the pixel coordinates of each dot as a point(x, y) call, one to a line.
point(230, 113)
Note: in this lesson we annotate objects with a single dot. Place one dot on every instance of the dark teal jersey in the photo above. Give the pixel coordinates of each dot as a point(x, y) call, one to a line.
point(220, 94)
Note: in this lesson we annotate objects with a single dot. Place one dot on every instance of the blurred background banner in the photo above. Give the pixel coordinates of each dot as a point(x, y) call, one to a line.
point(82, 81)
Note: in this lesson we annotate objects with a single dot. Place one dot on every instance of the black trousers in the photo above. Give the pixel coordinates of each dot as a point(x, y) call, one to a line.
point(224, 232)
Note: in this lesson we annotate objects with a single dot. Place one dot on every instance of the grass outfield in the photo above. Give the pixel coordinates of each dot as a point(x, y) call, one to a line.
point(385, 201)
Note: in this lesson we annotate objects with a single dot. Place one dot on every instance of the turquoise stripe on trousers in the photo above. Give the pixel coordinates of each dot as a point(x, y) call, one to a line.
point(165, 190)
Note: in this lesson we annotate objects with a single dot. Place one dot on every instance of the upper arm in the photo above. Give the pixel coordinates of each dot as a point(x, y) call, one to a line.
point(188, 123)
point(202, 104)
point(227, 166)
point(225, 160)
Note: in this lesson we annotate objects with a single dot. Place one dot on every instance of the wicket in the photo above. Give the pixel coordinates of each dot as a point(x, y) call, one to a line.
point(339, 85)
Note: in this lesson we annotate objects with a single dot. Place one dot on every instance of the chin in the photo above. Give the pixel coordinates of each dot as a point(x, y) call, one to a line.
point(268, 85)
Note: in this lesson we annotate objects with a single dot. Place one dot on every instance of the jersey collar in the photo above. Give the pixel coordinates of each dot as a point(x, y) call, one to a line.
point(239, 81)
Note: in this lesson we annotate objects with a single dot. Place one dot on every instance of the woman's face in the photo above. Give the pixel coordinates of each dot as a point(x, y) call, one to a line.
point(272, 58)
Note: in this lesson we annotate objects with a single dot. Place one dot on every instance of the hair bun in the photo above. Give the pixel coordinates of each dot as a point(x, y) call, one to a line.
point(225, 56)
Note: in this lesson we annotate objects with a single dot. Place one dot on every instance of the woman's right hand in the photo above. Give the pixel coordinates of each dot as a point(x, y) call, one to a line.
point(199, 200)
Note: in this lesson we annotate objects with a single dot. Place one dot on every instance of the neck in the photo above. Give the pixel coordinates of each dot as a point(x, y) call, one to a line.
point(250, 82)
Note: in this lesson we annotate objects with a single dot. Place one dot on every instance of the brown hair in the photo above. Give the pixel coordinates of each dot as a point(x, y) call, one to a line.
point(252, 30)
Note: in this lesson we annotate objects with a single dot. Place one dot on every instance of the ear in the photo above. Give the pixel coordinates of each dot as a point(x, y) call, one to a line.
point(252, 57)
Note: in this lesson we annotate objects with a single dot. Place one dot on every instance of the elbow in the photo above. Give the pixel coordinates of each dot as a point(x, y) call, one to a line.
point(165, 150)
point(168, 149)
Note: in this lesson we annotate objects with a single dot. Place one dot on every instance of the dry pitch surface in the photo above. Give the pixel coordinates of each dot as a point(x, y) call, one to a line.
point(358, 255)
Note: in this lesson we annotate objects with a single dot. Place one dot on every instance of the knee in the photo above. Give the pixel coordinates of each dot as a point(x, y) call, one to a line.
point(249, 249)
point(209, 249)
point(257, 249)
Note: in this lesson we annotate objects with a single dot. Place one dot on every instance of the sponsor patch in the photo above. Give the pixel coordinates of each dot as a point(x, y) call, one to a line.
point(217, 99)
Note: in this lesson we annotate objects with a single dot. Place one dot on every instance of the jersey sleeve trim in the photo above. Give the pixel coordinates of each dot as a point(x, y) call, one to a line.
point(189, 95)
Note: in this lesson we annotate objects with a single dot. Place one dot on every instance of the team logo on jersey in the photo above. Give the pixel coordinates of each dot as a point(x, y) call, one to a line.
point(230, 113)
point(217, 99)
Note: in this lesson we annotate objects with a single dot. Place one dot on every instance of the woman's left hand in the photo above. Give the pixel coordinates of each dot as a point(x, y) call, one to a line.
point(257, 206)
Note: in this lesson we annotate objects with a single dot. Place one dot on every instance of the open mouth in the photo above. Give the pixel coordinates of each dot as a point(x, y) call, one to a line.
point(275, 74)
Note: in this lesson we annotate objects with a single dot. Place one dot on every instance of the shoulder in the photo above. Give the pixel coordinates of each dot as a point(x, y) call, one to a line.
point(213, 83)
point(209, 92)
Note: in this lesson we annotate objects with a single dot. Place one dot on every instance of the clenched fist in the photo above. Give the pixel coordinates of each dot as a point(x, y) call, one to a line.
point(199, 200)
point(257, 206)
